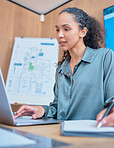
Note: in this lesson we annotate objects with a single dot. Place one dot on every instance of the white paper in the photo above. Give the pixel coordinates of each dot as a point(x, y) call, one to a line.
point(88, 126)
point(32, 68)
point(8, 139)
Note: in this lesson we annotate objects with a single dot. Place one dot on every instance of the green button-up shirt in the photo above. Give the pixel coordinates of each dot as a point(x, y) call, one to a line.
point(82, 95)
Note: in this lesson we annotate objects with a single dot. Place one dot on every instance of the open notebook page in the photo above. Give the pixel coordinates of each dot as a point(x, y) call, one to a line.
point(88, 126)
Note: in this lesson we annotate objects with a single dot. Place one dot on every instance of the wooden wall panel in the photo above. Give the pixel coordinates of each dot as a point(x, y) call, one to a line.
point(6, 27)
point(15, 21)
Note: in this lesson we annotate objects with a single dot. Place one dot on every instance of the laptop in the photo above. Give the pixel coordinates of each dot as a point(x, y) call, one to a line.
point(6, 114)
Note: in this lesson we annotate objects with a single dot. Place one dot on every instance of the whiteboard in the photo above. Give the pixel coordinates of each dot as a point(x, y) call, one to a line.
point(31, 74)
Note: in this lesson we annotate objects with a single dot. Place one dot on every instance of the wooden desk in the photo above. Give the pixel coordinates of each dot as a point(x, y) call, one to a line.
point(53, 131)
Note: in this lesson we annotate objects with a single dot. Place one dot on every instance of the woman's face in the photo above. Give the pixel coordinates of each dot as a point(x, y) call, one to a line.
point(67, 31)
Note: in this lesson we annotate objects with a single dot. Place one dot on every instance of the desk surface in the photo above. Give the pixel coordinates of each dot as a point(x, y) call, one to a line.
point(53, 131)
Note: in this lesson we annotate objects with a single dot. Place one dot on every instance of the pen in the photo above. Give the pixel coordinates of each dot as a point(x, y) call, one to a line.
point(107, 112)
point(14, 113)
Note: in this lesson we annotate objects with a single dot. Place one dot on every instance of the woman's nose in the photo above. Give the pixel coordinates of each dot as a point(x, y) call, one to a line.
point(60, 34)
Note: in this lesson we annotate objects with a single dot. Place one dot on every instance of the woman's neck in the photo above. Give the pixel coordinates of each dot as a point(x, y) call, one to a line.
point(76, 55)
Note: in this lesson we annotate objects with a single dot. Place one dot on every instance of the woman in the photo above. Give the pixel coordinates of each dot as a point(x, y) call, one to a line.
point(84, 77)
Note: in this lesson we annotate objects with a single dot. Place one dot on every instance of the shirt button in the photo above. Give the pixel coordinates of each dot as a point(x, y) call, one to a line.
point(62, 115)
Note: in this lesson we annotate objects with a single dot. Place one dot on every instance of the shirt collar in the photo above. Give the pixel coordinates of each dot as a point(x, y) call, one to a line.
point(88, 55)
point(64, 67)
point(87, 58)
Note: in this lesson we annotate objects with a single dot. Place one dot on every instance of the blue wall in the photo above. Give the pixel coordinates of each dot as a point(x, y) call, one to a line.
point(109, 27)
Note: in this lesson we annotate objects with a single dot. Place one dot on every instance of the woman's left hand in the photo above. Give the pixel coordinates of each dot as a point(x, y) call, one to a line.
point(108, 120)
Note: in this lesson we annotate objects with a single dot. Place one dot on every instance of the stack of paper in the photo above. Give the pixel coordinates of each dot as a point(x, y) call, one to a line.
point(85, 128)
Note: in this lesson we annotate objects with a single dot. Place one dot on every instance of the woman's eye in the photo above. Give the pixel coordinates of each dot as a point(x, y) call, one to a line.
point(67, 29)
point(57, 30)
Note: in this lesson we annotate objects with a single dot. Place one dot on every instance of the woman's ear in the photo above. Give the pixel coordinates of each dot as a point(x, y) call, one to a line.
point(83, 32)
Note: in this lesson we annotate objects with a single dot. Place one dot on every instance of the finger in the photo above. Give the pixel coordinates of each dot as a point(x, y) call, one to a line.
point(108, 120)
point(100, 115)
point(36, 115)
point(38, 112)
point(23, 107)
point(22, 114)
point(16, 115)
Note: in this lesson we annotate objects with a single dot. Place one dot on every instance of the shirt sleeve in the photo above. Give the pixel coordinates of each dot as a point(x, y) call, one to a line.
point(51, 110)
point(109, 76)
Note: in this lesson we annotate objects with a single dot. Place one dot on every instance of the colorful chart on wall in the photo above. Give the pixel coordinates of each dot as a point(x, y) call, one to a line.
point(109, 27)
point(31, 74)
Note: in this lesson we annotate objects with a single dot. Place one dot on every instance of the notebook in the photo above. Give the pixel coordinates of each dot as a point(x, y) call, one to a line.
point(85, 128)
point(6, 114)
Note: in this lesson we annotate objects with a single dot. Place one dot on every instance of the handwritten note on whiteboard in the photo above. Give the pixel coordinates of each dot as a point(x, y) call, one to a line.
point(32, 68)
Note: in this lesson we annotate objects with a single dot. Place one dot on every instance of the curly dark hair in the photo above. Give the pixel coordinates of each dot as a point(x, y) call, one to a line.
point(95, 37)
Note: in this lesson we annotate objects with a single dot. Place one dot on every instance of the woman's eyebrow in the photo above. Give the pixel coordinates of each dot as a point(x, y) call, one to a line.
point(66, 25)
point(63, 25)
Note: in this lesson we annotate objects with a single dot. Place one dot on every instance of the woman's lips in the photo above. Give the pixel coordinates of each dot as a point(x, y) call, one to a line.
point(62, 43)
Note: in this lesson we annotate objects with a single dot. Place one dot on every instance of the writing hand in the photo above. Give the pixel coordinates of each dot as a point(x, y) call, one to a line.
point(108, 120)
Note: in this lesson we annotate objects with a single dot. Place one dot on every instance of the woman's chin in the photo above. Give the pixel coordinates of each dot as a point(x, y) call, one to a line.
point(63, 48)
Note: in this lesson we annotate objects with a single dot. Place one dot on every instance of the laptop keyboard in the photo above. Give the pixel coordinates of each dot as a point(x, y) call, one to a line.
point(29, 121)
point(22, 121)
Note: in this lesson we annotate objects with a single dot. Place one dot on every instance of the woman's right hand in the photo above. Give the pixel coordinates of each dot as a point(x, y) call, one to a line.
point(26, 110)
